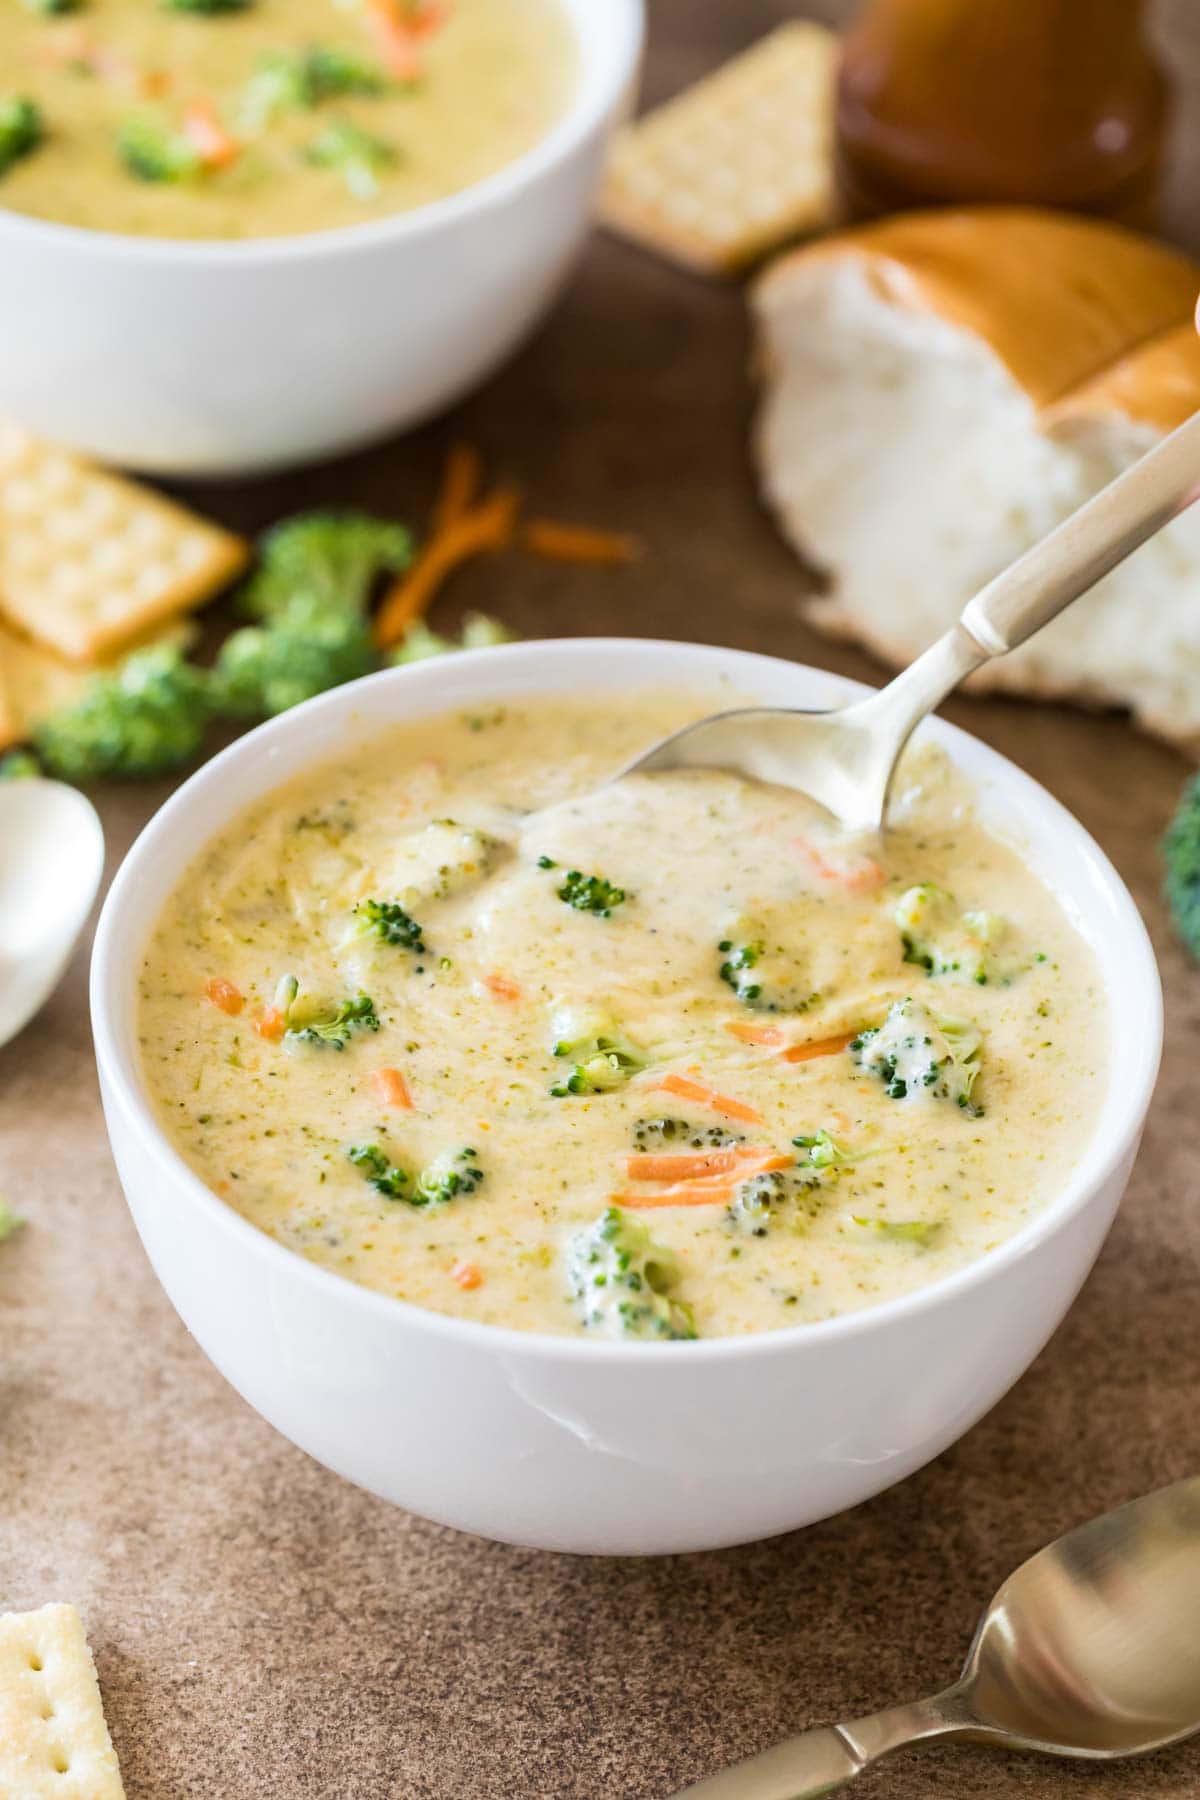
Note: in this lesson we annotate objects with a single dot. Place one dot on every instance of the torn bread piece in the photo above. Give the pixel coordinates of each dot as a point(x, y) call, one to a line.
point(940, 391)
point(737, 164)
point(54, 1742)
point(35, 683)
point(90, 561)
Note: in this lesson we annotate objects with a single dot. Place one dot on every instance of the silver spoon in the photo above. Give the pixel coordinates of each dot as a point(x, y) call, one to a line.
point(846, 759)
point(1091, 1649)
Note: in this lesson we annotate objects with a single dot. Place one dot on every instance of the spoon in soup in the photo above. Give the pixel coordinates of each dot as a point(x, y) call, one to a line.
point(1089, 1650)
point(845, 759)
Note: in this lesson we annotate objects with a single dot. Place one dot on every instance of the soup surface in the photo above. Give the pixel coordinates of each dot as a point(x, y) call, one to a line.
point(663, 1058)
point(272, 117)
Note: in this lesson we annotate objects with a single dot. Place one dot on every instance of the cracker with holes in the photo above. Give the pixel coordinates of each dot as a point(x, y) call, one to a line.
point(53, 1736)
point(89, 560)
point(737, 164)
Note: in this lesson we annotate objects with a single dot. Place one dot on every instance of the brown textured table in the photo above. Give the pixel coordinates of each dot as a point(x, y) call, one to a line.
point(261, 1627)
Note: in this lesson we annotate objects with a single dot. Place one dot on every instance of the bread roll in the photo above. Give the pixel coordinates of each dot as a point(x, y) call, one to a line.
point(940, 390)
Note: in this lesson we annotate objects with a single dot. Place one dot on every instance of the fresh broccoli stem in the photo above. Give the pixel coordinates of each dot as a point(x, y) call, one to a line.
point(621, 1280)
point(602, 1057)
point(591, 894)
point(1181, 856)
point(19, 765)
point(388, 921)
point(328, 558)
point(22, 129)
point(916, 1052)
point(388, 1179)
point(153, 151)
point(358, 155)
point(303, 650)
point(331, 1029)
point(144, 720)
point(478, 633)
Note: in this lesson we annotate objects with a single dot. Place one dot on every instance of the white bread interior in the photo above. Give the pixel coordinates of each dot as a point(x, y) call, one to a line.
point(939, 391)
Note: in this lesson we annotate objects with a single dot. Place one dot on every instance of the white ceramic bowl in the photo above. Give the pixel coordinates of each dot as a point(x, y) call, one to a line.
point(570, 1443)
point(216, 358)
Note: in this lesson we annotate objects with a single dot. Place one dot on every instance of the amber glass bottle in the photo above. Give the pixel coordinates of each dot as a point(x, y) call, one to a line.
point(1053, 102)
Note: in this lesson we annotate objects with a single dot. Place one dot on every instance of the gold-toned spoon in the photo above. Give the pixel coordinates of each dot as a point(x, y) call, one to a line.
point(1091, 1649)
point(846, 759)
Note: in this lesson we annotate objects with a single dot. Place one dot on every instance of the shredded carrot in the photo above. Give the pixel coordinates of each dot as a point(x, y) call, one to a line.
point(467, 1275)
point(203, 129)
point(223, 995)
point(272, 1025)
point(798, 1053)
point(755, 1034)
point(395, 40)
point(461, 480)
point(688, 1193)
point(706, 1096)
point(392, 1088)
point(502, 987)
point(856, 873)
point(579, 543)
point(688, 1165)
point(488, 526)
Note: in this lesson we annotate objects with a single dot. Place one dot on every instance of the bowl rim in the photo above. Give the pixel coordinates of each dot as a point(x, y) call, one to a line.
point(587, 111)
point(114, 969)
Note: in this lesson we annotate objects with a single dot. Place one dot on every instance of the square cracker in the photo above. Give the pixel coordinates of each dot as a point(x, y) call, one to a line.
point(53, 1737)
point(737, 164)
point(89, 560)
point(35, 683)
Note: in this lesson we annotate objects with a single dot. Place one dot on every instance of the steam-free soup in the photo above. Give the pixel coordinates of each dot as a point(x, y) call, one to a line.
point(658, 1059)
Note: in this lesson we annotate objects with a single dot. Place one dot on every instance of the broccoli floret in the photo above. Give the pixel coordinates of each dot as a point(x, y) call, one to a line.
point(763, 979)
point(329, 1029)
point(153, 151)
point(289, 82)
point(603, 1058)
point(1181, 855)
point(916, 1052)
point(209, 8)
point(621, 1280)
point(739, 961)
point(757, 1199)
point(52, 8)
point(650, 1134)
point(333, 559)
point(478, 633)
point(306, 649)
point(9, 1221)
point(388, 921)
point(921, 1232)
point(19, 765)
point(146, 719)
point(590, 894)
point(453, 1173)
point(821, 1151)
point(21, 130)
point(938, 938)
point(359, 156)
point(388, 1179)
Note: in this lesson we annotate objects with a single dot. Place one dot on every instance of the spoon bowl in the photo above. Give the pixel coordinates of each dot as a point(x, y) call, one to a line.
point(51, 861)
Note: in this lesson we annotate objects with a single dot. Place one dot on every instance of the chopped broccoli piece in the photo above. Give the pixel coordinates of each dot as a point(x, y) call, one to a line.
point(938, 938)
point(388, 921)
point(603, 1057)
point(921, 1232)
point(19, 765)
point(51, 8)
point(21, 130)
point(146, 719)
point(454, 1172)
point(330, 1029)
point(9, 1221)
point(333, 559)
point(303, 650)
point(764, 979)
point(386, 1178)
point(821, 1151)
point(1181, 855)
point(478, 633)
point(621, 1280)
point(209, 8)
point(591, 894)
point(649, 1134)
point(754, 1202)
point(287, 82)
point(916, 1052)
point(740, 959)
point(153, 151)
point(358, 155)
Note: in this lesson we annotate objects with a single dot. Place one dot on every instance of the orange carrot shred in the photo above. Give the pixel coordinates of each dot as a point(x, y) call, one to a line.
point(706, 1096)
point(856, 873)
point(272, 1025)
point(755, 1034)
point(687, 1165)
point(459, 491)
point(688, 1193)
point(392, 1088)
point(203, 129)
point(579, 543)
point(223, 995)
point(502, 987)
point(467, 1275)
point(798, 1053)
point(488, 526)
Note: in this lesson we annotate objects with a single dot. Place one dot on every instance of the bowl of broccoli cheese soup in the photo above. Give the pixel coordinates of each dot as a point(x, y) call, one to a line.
point(246, 234)
point(615, 1165)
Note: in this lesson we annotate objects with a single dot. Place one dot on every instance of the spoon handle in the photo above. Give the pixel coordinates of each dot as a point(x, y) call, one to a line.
point(818, 1761)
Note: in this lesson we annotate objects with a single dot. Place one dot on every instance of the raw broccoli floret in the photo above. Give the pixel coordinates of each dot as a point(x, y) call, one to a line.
point(1181, 855)
point(146, 719)
point(478, 633)
point(388, 1179)
point(153, 151)
point(589, 893)
point(388, 921)
point(938, 938)
point(21, 130)
point(453, 1173)
point(307, 648)
point(916, 1052)
point(286, 82)
point(329, 1028)
point(332, 559)
point(602, 1057)
point(19, 765)
point(621, 1280)
point(358, 155)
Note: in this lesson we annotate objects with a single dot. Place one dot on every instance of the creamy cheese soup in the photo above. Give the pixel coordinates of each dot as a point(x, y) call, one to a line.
point(203, 119)
point(659, 1059)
